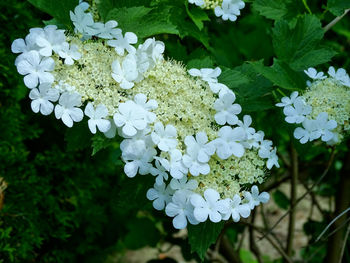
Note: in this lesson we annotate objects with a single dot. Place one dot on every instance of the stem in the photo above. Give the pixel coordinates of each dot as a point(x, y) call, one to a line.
point(307, 6)
point(228, 251)
point(253, 247)
point(335, 20)
point(344, 244)
point(293, 197)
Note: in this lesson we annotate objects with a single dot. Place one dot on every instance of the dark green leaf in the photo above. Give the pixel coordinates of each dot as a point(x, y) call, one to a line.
point(200, 63)
point(272, 9)
point(203, 235)
point(99, 142)
point(281, 199)
point(197, 15)
point(78, 137)
point(337, 7)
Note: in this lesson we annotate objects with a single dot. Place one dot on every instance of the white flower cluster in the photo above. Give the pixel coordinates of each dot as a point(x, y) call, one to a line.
point(228, 10)
point(297, 110)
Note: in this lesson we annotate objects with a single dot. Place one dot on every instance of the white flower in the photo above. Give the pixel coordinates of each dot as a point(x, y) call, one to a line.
point(23, 46)
point(312, 73)
point(219, 88)
point(177, 167)
point(130, 117)
point(207, 74)
point(82, 21)
point(226, 110)
point(228, 142)
point(69, 53)
point(124, 43)
point(108, 30)
point(297, 112)
point(254, 199)
point(97, 117)
point(164, 138)
point(183, 184)
point(149, 53)
point(138, 157)
point(306, 133)
point(52, 40)
point(126, 73)
point(112, 130)
point(197, 2)
point(141, 100)
point(67, 109)
point(161, 195)
point(162, 167)
point(42, 98)
point(181, 209)
point(210, 205)
point(36, 69)
point(339, 75)
point(252, 138)
point(324, 127)
point(229, 10)
point(286, 101)
point(272, 159)
point(237, 210)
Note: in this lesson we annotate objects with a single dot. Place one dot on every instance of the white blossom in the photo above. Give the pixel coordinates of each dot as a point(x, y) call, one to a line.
point(177, 168)
point(82, 21)
point(183, 184)
point(164, 138)
point(68, 110)
point(124, 43)
point(126, 73)
point(340, 75)
point(149, 53)
point(254, 199)
point(107, 30)
point(197, 2)
point(36, 69)
point(210, 206)
point(206, 74)
point(220, 88)
point(130, 118)
point(236, 209)
point(226, 111)
point(51, 41)
point(43, 97)
point(229, 142)
point(297, 112)
point(24, 46)
point(141, 100)
point(312, 73)
point(161, 195)
point(306, 133)
point(286, 101)
point(181, 209)
point(161, 169)
point(229, 10)
point(97, 117)
point(69, 53)
point(252, 138)
point(324, 127)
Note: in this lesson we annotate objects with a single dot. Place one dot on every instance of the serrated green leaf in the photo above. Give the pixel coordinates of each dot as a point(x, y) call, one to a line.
point(281, 75)
point(280, 199)
point(57, 9)
point(272, 9)
point(197, 15)
point(199, 63)
point(296, 45)
point(203, 235)
point(337, 7)
point(99, 142)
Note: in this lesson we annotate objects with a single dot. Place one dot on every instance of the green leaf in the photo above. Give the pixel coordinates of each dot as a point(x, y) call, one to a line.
point(199, 63)
point(281, 199)
point(281, 75)
point(57, 9)
point(296, 45)
point(78, 137)
point(203, 235)
point(197, 15)
point(272, 9)
point(337, 7)
point(99, 142)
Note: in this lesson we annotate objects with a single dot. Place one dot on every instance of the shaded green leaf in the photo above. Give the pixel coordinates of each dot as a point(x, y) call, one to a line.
point(280, 199)
point(197, 15)
point(337, 7)
point(99, 142)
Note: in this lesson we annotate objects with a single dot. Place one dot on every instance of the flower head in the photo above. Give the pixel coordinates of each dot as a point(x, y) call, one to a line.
point(43, 97)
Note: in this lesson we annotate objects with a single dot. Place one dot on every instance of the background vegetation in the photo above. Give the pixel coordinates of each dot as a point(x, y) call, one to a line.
point(63, 204)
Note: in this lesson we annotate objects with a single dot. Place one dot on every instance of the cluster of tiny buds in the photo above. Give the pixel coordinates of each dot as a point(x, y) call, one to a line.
point(228, 10)
point(297, 110)
point(148, 146)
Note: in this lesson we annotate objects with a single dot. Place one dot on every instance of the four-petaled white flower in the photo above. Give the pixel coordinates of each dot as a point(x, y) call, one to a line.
point(229, 10)
point(141, 100)
point(237, 210)
point(69, 53)
point(126, 72)
point(42, 98)
point(210, 205)
point(149, 53)
point(51, 41)
point(252, 138)
point(297, 112)
point(254, 199)
point(138, 157)
point(177, 167)
point(312, 73)
point(183, 184)
point(161, 195)
point(161, 169)
point(226, 110)
point(82, 21)
point(181, 209)
point(220, 88)
point(23, 46)
point(306, 133)
point(286, 101)
point(197, 2)
point(106, 31)
point(324, 127)
point(340, 75)
point(165, 138)
point(130, 118)
point(207, 74)
point(97, 117)
point(124, 43)
point(68, 110)
point(36, 69)
point(229, 142)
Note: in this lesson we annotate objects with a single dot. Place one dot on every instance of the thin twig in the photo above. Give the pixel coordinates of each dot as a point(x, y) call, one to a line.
point(335, 20)
point(344, 244)
point(253, 247)
point(305, 194)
